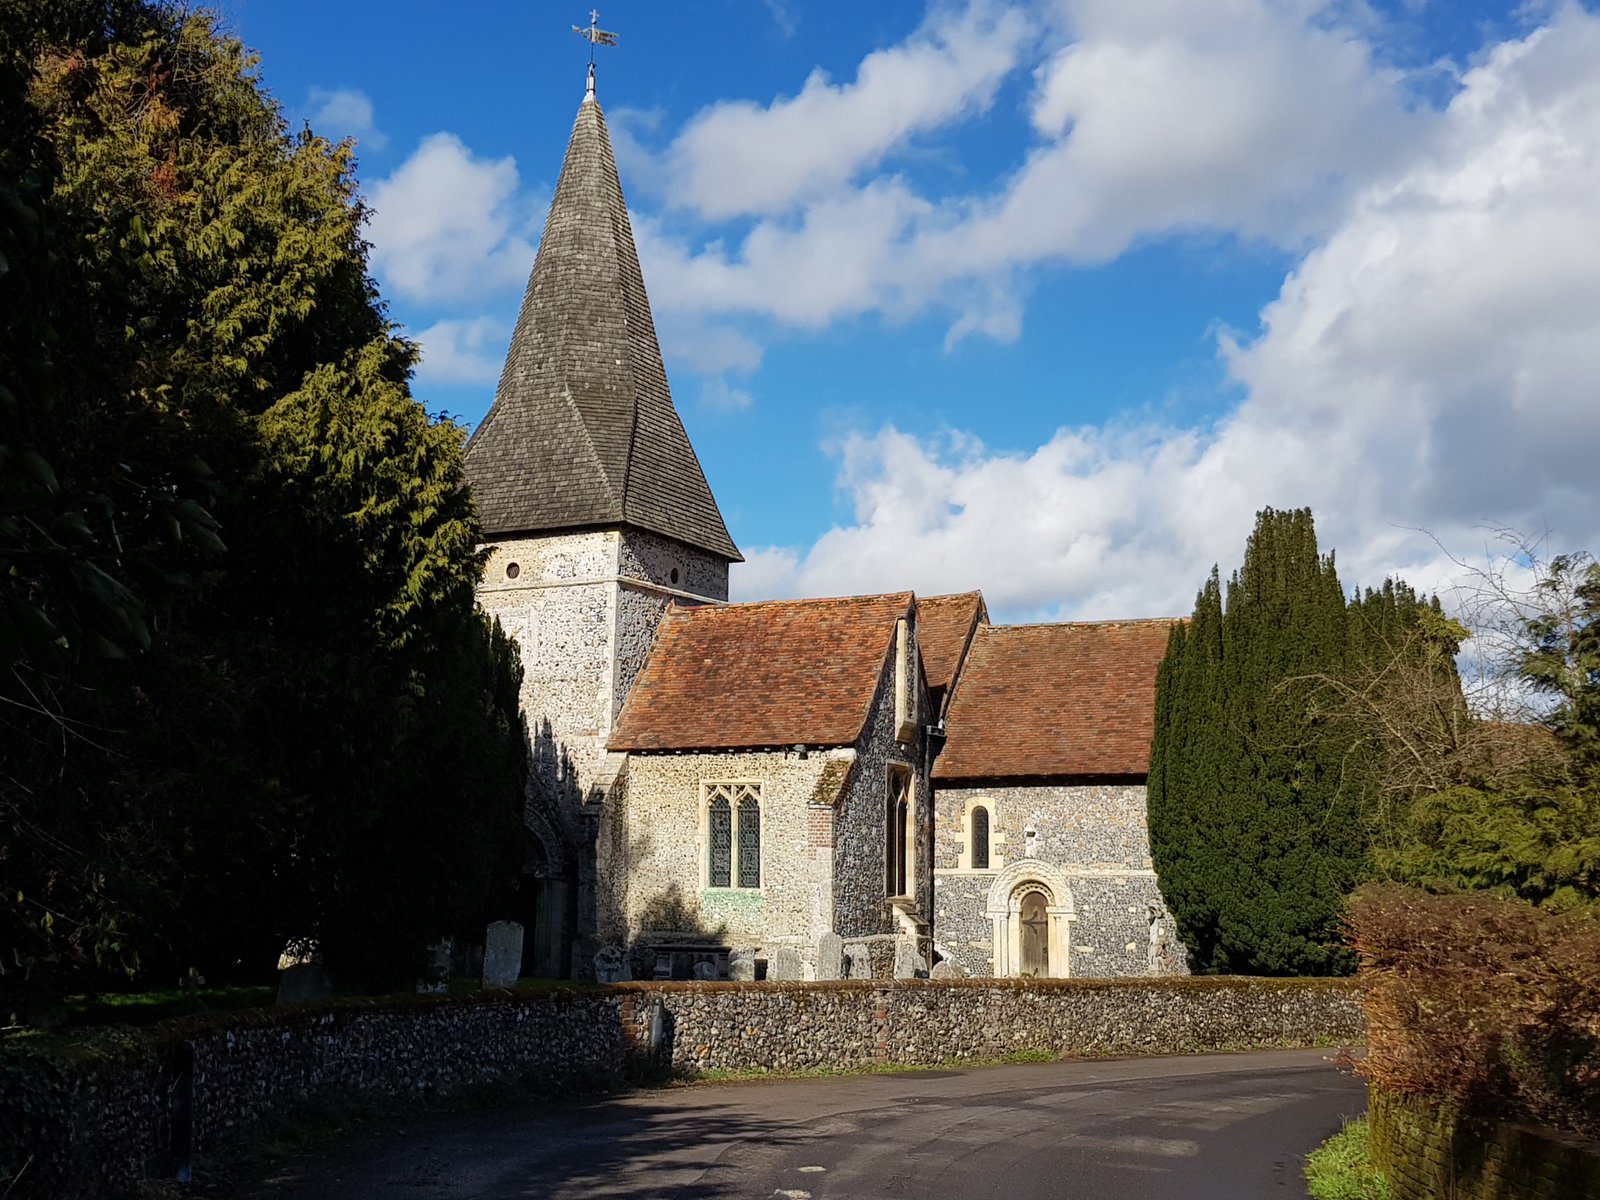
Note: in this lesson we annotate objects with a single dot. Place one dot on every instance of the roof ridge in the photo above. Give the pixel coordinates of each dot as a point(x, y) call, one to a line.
point(1021, 625)
point(739, 605)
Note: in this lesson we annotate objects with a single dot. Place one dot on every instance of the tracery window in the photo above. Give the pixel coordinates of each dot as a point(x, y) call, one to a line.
point(979, 858)
point(733, 832)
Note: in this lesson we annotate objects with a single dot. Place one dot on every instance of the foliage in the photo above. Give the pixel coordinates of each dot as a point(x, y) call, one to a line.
point(1255, 793)
point(1492, 1003)
point(1341, 1168)
point(248, 697)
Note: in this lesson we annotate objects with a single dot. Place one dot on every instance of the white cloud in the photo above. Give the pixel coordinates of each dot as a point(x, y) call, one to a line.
point(1430, 364)
point(344, 112)
point(448, 225)
point(724, 397)
point(463, 351)
point(1252, 117)
point(738, 157)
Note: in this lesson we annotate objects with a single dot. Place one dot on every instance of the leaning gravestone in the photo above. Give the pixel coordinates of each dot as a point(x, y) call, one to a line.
point(945, 969)
point(303, 982)
point(502, 954)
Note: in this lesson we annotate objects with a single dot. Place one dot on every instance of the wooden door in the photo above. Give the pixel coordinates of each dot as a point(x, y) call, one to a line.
point(1035, 935)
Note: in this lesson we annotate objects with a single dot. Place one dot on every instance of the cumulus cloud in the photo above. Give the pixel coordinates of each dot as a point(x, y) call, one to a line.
point(724, 396)
point(448, 225)
point(469, 350)
point(738, 157)
point(344, 112)
point(1249, 117)
point(1430, 364)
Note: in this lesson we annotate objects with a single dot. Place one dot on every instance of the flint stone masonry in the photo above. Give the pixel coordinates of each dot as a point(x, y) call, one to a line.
point(1096, 836)
point(116, 1125)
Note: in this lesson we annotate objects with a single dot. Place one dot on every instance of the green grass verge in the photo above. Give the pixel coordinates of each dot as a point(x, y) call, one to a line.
point(1341, 1168)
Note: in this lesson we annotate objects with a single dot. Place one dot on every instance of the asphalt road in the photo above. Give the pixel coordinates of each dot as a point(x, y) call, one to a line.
point(1215, 1127)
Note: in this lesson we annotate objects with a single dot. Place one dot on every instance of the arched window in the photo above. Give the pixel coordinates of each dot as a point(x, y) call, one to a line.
point(733, 830)
point(980, 839)
point(719, 819)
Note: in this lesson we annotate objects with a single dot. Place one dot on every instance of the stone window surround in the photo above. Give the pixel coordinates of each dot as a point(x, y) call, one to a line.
point(997, 840)
point(706, 786)
point(900, 771)
point(1004, 910)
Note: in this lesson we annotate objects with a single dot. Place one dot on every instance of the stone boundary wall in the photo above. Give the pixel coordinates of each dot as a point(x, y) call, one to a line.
point(1429, 1153)
point(96, 1122)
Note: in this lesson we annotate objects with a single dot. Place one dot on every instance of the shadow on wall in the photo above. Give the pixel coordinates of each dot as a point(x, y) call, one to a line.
point(673, 940)
point(560, 855)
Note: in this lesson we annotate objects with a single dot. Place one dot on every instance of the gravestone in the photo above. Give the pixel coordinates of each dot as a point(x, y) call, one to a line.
point(908, 963)
point(502, 954)
point(857, 961)
point(785, 963)
point(304, 982)
point(436, 975)
point(611, 967)
point(705, 971)
point(742, 965)
point(945, 969)
point(830, 956)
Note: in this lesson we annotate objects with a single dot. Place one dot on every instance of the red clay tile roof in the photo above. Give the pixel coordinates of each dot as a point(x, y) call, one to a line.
point(776, 673)
point(944, 624)
point(1045, 701)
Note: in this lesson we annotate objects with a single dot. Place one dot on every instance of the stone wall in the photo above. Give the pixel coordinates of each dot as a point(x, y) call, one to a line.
point(660, 874)
point(1429, 1153)
point(115, 1118)
point(1089, 841)
point(860, 864)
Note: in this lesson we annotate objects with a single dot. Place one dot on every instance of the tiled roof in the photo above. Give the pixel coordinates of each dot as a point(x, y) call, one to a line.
point(776, 673)
point(944, 626)
point(1046, 701)
point(583, 431)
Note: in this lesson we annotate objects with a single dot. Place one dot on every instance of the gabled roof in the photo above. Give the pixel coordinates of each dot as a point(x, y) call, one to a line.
point(583, 431)
point(1047, 701)
point(945, 625)
point(775, 673)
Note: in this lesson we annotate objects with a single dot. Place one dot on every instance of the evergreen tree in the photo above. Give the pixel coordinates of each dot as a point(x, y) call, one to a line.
point(248, 696)
point(1255, 796)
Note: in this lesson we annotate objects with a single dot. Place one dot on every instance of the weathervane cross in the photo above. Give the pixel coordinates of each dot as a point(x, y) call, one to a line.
point(596, 37)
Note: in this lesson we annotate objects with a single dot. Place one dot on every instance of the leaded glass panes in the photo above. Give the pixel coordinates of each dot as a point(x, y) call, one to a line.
point(733, 825)
point(749, 842)
point(980, 839)
point(720, 822)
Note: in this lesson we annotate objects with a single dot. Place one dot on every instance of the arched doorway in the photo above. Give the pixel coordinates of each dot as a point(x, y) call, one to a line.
point(542, 912)
point(1030, 907)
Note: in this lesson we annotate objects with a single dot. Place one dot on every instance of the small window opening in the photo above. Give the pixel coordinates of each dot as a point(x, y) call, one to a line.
point(674, 574)
point(980, 839)
point(513, 570)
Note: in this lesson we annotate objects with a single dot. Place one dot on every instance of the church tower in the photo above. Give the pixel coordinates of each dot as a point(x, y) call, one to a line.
point(597, 515)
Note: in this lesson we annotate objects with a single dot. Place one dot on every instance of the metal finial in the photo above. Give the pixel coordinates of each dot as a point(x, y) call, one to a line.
point(595, 36)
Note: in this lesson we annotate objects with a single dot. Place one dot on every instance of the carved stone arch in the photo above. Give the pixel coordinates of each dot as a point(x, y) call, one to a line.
point(1004, 910)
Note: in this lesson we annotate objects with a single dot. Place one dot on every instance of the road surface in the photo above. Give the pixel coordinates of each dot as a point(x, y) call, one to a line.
point(1212, 1127)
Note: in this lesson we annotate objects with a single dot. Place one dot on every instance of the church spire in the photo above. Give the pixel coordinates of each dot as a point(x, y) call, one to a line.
point(583, 432)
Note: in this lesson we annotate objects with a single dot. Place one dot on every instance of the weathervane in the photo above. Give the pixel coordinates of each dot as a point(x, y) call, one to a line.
point(595, 36)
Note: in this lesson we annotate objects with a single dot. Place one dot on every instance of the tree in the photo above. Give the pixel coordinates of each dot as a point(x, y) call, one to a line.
point(269, 707)
point(1254, 794)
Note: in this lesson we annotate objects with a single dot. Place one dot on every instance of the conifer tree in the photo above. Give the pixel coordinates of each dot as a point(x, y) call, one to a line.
point(1255, 799)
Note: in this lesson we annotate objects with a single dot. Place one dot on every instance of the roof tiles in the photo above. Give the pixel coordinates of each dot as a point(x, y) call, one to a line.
point(775, 673)
point(944, 626)
point(1047, 701)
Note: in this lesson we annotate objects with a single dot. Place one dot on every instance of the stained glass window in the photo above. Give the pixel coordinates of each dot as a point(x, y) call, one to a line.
point(721, 829)
point(749, 842)
point(980, 839)
point(733, 819)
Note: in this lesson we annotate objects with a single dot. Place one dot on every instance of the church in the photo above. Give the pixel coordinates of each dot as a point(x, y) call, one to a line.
point(882, 786)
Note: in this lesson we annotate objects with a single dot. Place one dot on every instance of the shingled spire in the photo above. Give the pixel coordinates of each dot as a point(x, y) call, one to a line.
point(583, 431)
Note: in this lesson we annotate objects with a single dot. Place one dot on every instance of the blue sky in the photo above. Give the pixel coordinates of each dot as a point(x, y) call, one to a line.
point(1045, 297)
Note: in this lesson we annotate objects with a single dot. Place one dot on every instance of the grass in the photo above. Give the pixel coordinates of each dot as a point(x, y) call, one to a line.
point(1341, 1168)
point(147, 1008)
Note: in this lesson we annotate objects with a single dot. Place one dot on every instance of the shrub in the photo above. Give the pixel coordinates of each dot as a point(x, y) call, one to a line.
point(1492, 1003)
